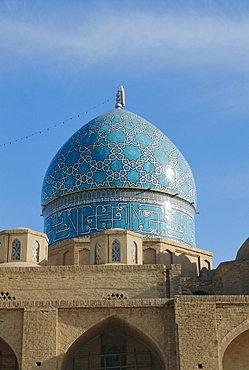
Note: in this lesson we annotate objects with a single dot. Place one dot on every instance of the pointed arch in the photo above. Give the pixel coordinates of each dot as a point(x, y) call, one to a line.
point(68, 258)
point(236, 355)
point(8, 358)
point(97, 335)
point(84, 256)
point(232, 334)
point(149, 256)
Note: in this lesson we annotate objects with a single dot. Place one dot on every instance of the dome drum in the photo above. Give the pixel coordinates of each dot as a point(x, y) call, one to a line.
point(149, 213)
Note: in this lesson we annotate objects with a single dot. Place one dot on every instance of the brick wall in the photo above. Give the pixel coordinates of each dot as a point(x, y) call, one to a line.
point(88, 282)
point(234, 277)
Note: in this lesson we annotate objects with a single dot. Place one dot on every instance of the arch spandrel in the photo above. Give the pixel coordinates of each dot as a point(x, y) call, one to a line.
point(231, 335)
point(116, 323)
point(8, 358)
point(11, 331)
point(236, 355)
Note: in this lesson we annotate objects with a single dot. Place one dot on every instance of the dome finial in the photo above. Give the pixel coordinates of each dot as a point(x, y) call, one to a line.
point(120, 97)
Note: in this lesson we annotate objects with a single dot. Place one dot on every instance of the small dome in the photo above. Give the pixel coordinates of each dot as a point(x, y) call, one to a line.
point(118, 149)
point(243, 252)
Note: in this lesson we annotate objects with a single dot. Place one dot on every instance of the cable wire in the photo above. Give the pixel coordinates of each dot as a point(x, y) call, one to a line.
point(56, 125)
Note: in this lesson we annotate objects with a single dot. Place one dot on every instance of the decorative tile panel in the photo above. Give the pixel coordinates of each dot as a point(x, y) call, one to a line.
point(146, 212)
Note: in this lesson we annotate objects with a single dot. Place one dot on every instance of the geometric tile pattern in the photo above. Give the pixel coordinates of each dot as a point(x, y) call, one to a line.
point(118, 149)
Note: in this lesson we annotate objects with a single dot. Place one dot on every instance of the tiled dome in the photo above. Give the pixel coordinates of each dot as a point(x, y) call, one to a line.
point(118, 149)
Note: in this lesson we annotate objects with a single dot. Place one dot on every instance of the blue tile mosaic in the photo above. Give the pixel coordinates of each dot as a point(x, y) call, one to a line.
point(119, 171)
point(145, 212)
point(120, 149)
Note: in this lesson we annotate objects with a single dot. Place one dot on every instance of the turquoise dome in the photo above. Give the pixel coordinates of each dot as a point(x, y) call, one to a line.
point(119, 171)
point(118, 149)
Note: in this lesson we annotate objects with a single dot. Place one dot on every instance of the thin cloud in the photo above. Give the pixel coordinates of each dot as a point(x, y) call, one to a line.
point(140, 38)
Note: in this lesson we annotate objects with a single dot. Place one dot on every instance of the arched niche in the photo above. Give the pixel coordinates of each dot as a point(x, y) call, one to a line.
point(113, 344)
point(68, 258)
point(149, 256)
point(166, 257)
point(236, 355)
point(189, 264)
point(8, 358)
point(84, 257)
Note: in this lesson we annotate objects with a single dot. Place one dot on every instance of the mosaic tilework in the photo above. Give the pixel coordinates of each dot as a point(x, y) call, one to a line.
point(119, 149)
point(146, 212)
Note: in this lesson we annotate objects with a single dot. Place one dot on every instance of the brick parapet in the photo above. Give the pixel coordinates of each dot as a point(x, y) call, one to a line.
point(153, 302)
point(83, 282)
point(129, 303)
point(213, 298)
point(52, 270)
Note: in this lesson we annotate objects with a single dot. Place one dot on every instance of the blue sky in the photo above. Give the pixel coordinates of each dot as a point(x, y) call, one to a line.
point(185, 68)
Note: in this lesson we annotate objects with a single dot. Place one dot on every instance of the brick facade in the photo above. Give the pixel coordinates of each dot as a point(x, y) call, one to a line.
point(180, 317)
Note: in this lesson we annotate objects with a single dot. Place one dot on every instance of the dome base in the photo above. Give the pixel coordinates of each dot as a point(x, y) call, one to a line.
point(146, 212)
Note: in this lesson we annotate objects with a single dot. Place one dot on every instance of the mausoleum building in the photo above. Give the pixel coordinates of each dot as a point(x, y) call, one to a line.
point(116, 281)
